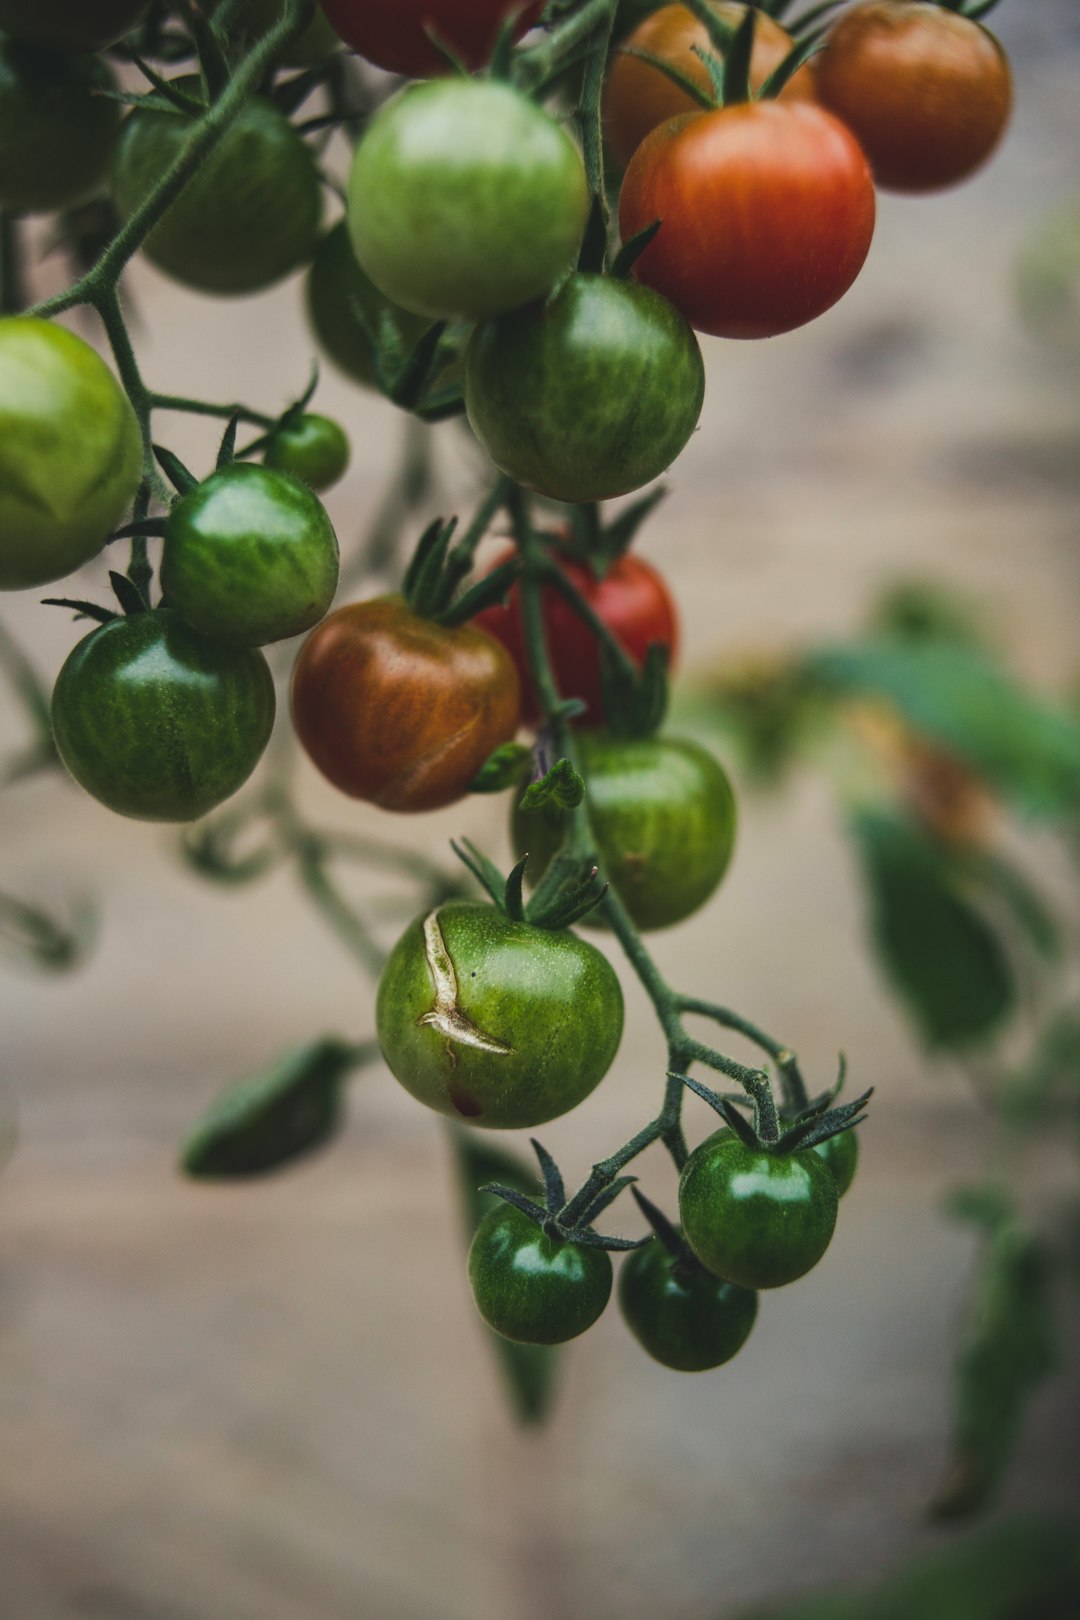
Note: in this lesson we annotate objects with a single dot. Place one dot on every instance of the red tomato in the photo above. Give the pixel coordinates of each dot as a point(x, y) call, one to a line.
point(927, 92)
point(392, 33)
point(633, 602)
point(767, 210)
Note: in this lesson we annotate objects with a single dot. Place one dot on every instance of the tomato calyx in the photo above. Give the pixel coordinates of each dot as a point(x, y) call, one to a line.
point(728, 64)
point(684, 1262)
point(436, 571)
point(816, 1124)
point(572, 901)
point(549, 1216)
point(127, 593)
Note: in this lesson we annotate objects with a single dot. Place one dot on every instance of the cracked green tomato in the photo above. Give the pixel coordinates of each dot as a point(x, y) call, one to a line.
point(495, 1022)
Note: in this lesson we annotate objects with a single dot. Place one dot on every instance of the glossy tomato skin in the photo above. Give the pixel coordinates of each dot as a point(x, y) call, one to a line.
point(465, 199)
point(609, 357)
point(496, 1023)
point(631, 599)
point(398, 710)
point(768, 213)
point(248, 218)
point(71, 25)
point(250, 557)
point(841, 1154)
point(158, 723)
point(754, 1218)
point(57, 131)
point(638, 97)
point(70, 452)
point(928, 93)
point(532, 1288)
point(393, 33)
point(313, 449)
point(664, 818)
point(335, 289)
point(683, 1316)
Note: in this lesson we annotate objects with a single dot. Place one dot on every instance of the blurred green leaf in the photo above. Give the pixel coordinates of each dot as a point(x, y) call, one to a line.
point(503, 769)
point(33, 938)
point(923, 610)
point(1050, 1079)
point(1002, 881)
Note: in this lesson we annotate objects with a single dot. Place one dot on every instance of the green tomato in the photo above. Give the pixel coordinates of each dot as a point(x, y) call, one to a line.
point(466, 199)
point(248, 218)
point(664, 818)
point(336, 288)
point(70, 25)
point(250, 557)
point(589, 395)
point(756, 1218)
point(841, 1154)
point(57, 131)
point(158, 723)
point(70, 452)
point(682, 1315)
point(495, 1022)
point(253, 18)
point(532, 1288)
point(313, 449)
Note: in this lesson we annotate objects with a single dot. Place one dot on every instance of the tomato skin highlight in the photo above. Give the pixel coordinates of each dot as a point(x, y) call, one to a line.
point(532, 1288)
point(71, 25)
point(927, 93)
point(496, 1023)
point(57, 131)
point(841, 1154)
point(313, 449)
point(684, 1318)
point(610, 357)
point(393, 33)
point(156, 722)
point(767, 213)
point(70, 452)
point(398, 710)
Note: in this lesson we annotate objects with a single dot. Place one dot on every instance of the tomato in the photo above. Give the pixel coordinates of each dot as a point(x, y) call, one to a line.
point(250, 557)
point(495, 1022)
point(57, 131)
point(336, 286)
point(664, 818)
point(841, 1154)
point(753, 1217)
point(682, 1315)
point(394, 33)
point(70, 452)
point(313, 449)
point(71, 25)
point(638, 97)
point(588, 395)
point(399, 710)
point(767, 210)
point(251, 214)
point(465, 198)
point(158, 723)
point(532, 1288)
point(251, 19)
point(631, 599)
point(927, 92)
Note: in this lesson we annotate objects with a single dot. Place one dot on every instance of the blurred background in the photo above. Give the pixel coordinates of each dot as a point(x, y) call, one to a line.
point(273, 1401)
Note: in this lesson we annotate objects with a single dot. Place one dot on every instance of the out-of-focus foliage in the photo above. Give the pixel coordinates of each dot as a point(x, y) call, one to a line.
point(1048, 278)
point(34, 938)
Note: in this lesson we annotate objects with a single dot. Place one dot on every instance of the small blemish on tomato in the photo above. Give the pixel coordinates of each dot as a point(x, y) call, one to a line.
point(465, 1103)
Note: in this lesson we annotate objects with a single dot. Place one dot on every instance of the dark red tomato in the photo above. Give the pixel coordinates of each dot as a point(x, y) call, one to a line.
point(398, 710)
point(633, 602)
point(767, 210)
point(927, 92)
point(393, 33)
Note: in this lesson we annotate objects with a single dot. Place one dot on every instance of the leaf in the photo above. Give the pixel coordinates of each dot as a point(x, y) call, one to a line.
point(1020, 901)
point(503, 769)
point(562, 787)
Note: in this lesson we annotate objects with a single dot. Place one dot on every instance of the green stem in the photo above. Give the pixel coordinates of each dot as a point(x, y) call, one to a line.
point(589, 616)
point(536, 65)
point(796, 1096)
point(590, 111)
point(203, 407)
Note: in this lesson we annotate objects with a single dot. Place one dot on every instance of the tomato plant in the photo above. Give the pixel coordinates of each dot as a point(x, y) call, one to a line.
point(71, 25)
point(345, 307)
point(250, 18)
point(396, 34)
point(533, 1288)
point(312, 448)
point(57, 128)
point(680, 1314)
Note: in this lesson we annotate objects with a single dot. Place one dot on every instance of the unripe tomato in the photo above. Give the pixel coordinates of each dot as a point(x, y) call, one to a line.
point(841, 1154)
point(756, 1218)
point(664, 817)
point(638, 97)
point(927, 92)
point(71, 25)
point(398, 710)
point(684, 1317)
point(586, 396)
point(313, 449)
point(394, 33)
point(767, 210)
point(57, 131)
point(251, 214)
point(631, 599)
point(250, 19)
point(532, 1288)
point(250, 557)
point(70, 452)
point(158, 723)
point(495, 1022)
point(465, 198)
point(335, 288)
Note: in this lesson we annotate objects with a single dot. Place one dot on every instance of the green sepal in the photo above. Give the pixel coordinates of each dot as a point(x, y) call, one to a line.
point(423, 586)
point(554, 1187)
point(734, 87)
point(687, 85)
point(486, 873)
point(604, 1200)
point(635, 701)
point(572, 901)
point(561, 788)
point(594, 244)
point(227, 448)
point(631, 251)
point(503, 769)
point(683, 1258)
point(492, 589)
point(178, 475)
point(82, 610)
point(823, 1127)
point(127, 593)
point(179, 100)
point(723, 1106)
point(782, 75)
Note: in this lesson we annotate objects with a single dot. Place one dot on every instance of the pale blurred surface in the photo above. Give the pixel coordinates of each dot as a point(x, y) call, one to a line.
point(274, 1402)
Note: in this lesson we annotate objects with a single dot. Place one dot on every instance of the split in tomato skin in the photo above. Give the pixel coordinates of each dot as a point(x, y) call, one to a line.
point(393, 34)
point(158, 723)
point(532, 1288)
point(927, 93)
point(586, 396)
point(71, 25)
point(398, 710)
point(756, 1218)
point(680, 1314)
point(336, 290)
point(312, 449)
point(496, 1023)
point(767, 213)
point(58, 131)
point(841, 1154)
